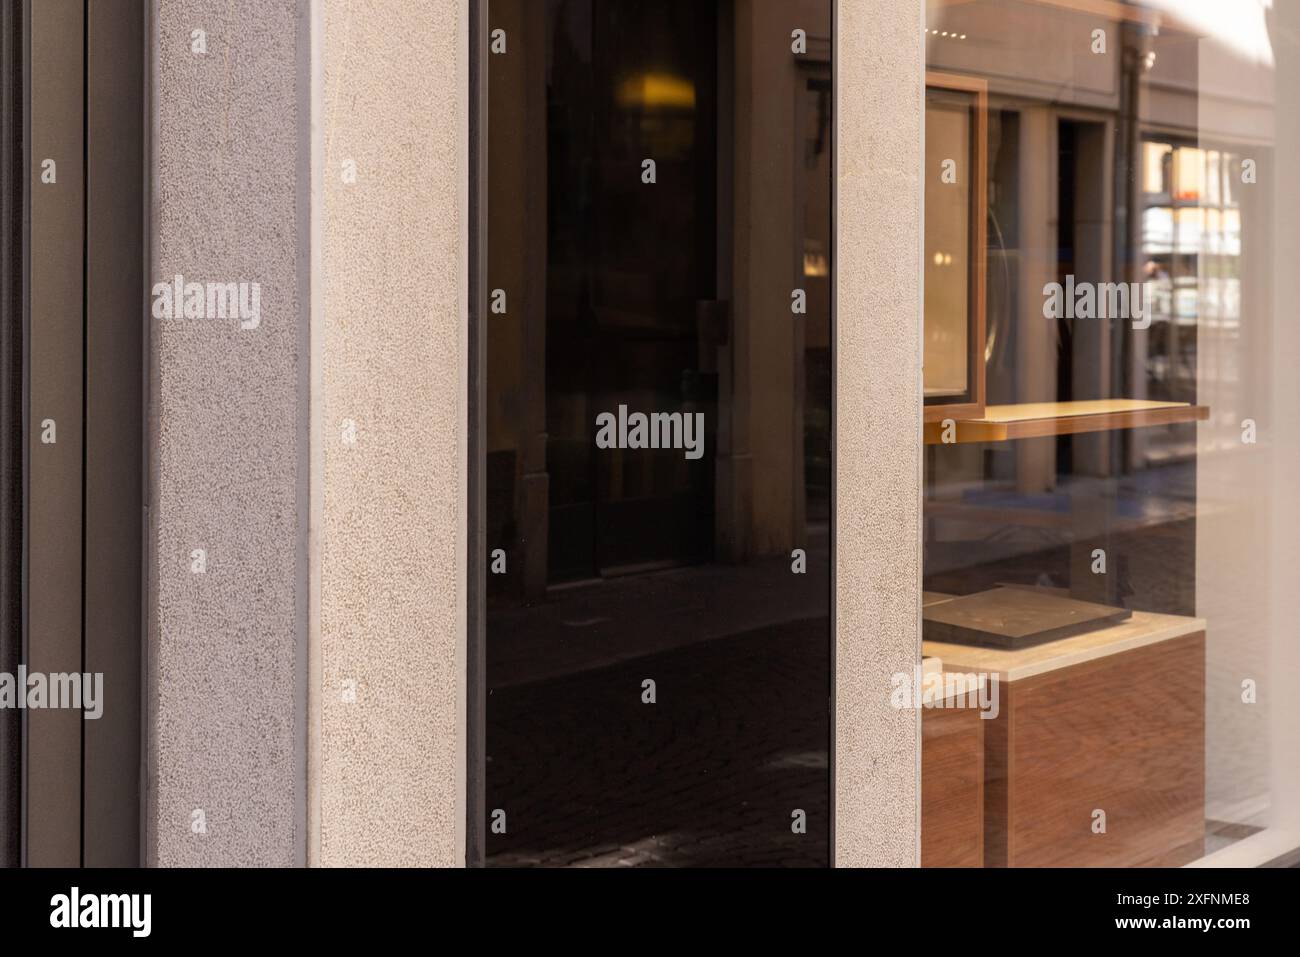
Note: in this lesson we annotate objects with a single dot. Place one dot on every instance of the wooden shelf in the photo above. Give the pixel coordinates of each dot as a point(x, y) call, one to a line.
point(1034, 419)
point(1144, 628)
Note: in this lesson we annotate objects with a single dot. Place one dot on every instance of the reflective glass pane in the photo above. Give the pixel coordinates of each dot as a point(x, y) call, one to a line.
point(1103, 530)
point(658, 410)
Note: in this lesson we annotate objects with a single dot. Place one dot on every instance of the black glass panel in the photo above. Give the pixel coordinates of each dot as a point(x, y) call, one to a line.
point(658, 417)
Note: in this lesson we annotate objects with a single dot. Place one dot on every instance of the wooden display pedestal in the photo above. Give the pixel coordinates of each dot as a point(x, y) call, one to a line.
point(952, 787)
point(1110, 721)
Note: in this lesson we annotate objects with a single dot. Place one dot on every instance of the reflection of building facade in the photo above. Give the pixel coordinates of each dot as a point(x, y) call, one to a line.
point(715, 301)
point(666, 249)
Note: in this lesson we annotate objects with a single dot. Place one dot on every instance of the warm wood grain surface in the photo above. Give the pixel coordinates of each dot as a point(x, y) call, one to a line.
point(952, 788)
point(1035, 419)
point(1144, 628)
point(1123, 733)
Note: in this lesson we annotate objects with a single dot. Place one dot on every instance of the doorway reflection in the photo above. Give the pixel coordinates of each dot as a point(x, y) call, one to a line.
point(658, 630)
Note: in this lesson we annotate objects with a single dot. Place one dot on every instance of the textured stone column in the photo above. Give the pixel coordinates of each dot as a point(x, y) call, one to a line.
point(228, 468)
point(390, 746)
point(879, 149)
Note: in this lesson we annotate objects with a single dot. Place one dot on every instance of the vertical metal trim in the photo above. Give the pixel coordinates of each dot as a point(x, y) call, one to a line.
point(831, 695)
point(53, 533)
point(115, 293)
point(476, 539)
point(919, 318)
point(12, 415)
point(26, 272)
point(85, 378)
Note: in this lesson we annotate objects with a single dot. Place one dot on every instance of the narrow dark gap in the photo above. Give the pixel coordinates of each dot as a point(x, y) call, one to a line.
point(12, 454)
point(85, 348)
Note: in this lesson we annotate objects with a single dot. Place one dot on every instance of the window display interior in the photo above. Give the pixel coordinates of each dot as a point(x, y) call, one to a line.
point(1061, 493)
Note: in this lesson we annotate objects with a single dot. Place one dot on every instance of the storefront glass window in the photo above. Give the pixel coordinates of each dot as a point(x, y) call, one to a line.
point(1107, 529)
point(658, 422)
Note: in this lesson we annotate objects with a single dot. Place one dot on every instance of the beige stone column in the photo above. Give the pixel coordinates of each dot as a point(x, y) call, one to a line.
point(879, 207)
point(388, 750)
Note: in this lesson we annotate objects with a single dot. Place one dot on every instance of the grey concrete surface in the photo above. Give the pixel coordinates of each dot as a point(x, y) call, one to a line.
point(225, 699)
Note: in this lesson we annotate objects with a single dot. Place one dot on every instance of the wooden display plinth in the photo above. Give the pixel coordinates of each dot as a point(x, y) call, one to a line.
point(952, 787)
point(1112, 721)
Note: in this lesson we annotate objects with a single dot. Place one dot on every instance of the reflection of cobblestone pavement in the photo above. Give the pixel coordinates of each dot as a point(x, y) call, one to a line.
point(1146, 525)
point(620, 619)
point(708, 776)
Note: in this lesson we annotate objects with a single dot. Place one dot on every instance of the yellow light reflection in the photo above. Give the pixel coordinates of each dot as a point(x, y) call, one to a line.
point(656, 91)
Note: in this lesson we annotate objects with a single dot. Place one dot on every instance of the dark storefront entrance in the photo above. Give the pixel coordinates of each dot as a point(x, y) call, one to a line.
point(630, 266)
point(657, 594)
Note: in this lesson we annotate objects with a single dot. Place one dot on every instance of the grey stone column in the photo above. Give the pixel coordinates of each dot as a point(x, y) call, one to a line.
point(227, 598)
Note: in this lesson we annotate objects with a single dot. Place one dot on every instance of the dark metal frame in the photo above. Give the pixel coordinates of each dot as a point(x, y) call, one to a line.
point(12, 457)
point(970, 405)
point(114, 426)
point(84, 308)
point(476, 539)
point(55, 329)
point(831, 695)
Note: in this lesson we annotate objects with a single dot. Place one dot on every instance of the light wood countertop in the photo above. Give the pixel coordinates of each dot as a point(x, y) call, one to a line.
point(1036, 419)
point(1144, 628)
